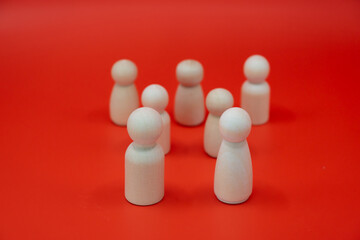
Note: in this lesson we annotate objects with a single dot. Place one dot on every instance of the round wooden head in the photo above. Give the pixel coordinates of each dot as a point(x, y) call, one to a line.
point(124, 72)
point(189, 72)
point(235, 124)
point(144, 126)
point(155, 96)
point(256, 69)
point(218, 100)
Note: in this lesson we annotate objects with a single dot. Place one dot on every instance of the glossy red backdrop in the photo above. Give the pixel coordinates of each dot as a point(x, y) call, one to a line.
point(62, 160)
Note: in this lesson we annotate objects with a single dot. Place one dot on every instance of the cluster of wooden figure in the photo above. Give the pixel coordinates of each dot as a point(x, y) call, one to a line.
point(226, 127)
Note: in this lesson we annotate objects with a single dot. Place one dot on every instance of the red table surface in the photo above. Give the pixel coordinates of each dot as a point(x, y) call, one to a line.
point(62, 160)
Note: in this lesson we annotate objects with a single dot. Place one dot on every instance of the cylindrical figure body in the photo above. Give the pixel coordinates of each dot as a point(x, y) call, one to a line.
point(144, 174)
point(233, 172)
point(123, 100)
point(255, 91)
point(164, 139)
point(155, 96)
point(144, 158)
point(218, 100)
point(189, 109)
point(212, 136)
point(255, 99)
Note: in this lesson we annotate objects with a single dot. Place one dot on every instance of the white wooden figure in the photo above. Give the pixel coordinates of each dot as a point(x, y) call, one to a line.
point(233, 172)
point(155, 96)
point(189, 109)
point(124, 97)
point(217, 101)
point(255, 91)
point(144, 158)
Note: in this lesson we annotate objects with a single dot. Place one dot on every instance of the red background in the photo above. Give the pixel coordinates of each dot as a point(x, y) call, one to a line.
point(62, 160)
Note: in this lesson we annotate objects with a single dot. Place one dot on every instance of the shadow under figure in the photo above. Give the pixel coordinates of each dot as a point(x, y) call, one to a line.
point(281, 114)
